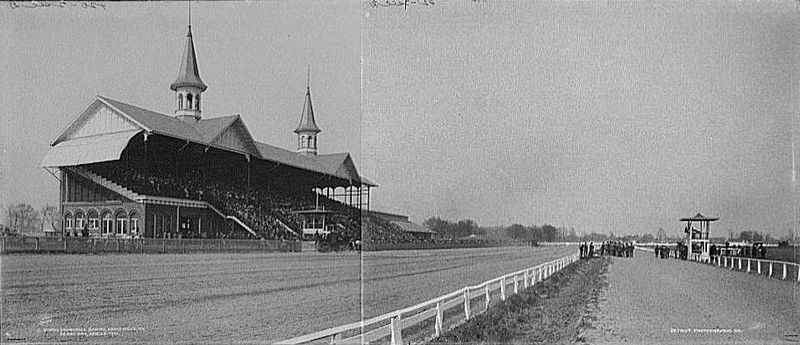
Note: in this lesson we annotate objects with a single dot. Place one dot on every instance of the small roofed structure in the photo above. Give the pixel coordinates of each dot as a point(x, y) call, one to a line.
point(315, 222)
point(406, 225)
point(697, 239)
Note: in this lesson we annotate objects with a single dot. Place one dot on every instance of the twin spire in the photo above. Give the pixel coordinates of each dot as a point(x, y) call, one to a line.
point(188, 88)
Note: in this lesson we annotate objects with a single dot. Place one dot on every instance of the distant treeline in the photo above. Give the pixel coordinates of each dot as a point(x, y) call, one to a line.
point(461, 228)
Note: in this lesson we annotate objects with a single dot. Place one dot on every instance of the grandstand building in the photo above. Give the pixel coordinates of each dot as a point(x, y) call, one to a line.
point(131, 172)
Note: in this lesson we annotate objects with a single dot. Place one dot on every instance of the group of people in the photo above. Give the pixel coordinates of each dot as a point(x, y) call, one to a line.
point(610, 248)
point(757, 250)
point(616, 248)
point(262, 208)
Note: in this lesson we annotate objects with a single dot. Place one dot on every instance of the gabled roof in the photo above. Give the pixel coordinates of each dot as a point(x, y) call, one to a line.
point(307, 122)
point(189, 74)
point(228, 132)
point(157, 122)
point(213, 127)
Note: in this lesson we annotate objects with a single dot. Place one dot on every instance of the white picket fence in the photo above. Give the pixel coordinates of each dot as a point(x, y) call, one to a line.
point(392, 324)
point(735, 262)
point(745, 264)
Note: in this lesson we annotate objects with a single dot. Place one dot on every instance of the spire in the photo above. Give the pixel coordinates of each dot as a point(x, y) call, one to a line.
point(189, 75)
point(307, 122)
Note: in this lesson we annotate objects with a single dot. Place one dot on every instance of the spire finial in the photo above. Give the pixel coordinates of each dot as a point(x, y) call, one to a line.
point(308, 77)
point(190, 14)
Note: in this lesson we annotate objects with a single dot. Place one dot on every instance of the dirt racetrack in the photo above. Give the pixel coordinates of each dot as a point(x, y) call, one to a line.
point(667, 301)
point(230, 298)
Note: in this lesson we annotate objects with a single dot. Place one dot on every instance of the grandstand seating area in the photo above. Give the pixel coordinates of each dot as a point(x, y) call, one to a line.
point(262, 208)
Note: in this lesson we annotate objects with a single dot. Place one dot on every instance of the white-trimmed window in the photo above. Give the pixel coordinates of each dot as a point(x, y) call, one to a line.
point(94, 221)
point(134, 223)
point(68, 221)
point(108, 223)
point(80, 220)
point(122, 222)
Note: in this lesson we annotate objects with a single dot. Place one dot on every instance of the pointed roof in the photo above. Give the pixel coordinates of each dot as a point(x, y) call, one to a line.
point(189, 75)
point(699, 217)
point(307, 122)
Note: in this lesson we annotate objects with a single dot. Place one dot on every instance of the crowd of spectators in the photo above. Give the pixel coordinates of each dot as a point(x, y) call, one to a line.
point(269, 210)
point(264, 211)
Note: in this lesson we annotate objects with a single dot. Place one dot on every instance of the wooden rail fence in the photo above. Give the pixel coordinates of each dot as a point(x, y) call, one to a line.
point(391, 325)
point(769, 268)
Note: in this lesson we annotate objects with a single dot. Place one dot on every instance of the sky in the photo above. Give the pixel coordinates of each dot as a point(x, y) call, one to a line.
point(601, 116)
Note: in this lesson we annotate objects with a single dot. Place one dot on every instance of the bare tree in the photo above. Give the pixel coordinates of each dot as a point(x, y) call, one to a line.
point(22, 218)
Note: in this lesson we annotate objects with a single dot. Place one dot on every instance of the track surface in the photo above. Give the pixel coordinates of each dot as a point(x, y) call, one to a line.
point(231, 298)
point(668, 301)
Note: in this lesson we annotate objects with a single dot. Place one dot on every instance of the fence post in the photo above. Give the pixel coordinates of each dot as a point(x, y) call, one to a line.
point(164, 244)
point(117, 242)
point(335, 338)
point(65, 244)
point(784, 271)
point(37, 243)
point(466, 303)
point(740, 264)
point(438, 318)
point(503, 288)
point(488, 298)
point(798, 273)
point(397, 331)
point(748, 265)
point(759, 266)
point(516, 284)
point(770, 268)
point(526, 280)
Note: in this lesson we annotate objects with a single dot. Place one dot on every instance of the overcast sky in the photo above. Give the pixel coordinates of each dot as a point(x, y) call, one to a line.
point(600, 116)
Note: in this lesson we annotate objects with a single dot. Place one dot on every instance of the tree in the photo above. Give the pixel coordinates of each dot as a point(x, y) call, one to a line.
point(517, 231)
point(49, 219)
point(22, 218)
point(661, 235)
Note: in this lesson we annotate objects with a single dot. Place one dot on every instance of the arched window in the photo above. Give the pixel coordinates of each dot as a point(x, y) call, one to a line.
point(134, 224)
point(309, 141)
point(180, 101)
point(189, 101)
point(68, 220)
point(315, 142)
point(80, 220)
point(108, 223)
point(122, 222)
point(197, 102)
point(94, 222)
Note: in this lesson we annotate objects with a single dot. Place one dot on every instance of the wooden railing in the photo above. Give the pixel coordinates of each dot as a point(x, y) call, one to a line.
point(745, 264)
point(392, 324)
point(760, 267)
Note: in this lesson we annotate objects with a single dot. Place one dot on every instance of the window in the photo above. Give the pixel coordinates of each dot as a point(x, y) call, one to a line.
point(68, 221)
point(94, 222)
point(134, 223)
point(189, 101)
point(122, 222)
point(197, 102)
point(79, 220)
point(180, 101)
point(108, 223)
